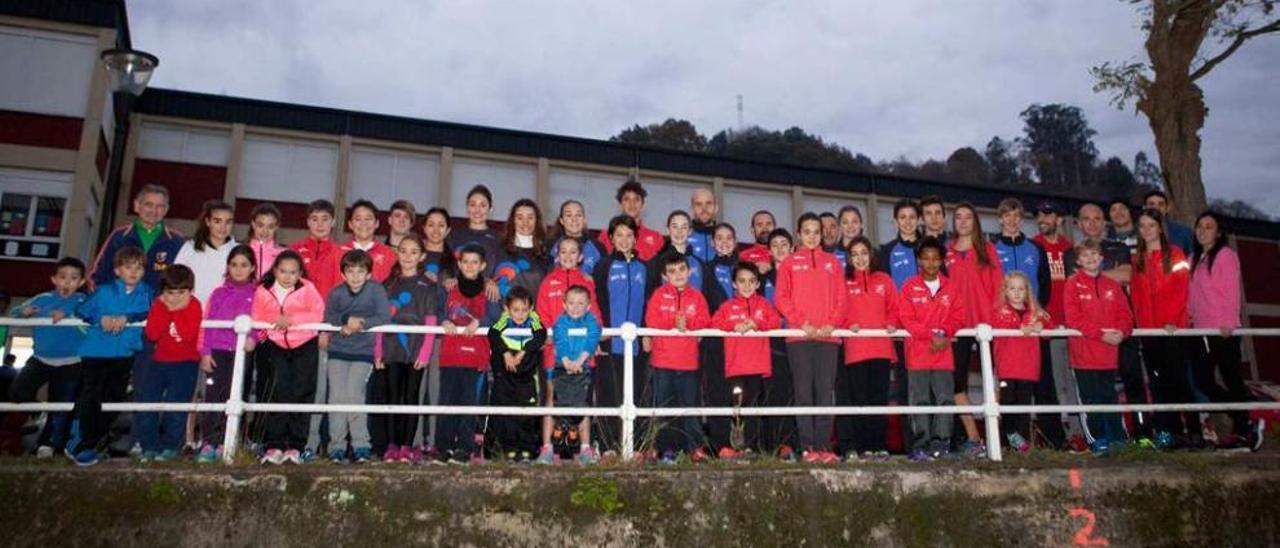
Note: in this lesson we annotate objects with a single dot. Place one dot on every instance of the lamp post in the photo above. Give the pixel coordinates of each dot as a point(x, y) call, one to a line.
point(129, 71)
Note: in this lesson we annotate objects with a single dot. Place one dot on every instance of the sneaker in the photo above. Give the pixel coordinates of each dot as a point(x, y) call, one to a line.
point(828, 457)
point(699, 455)
point(392, 454)
point(273, 456)
point(668, 457)
point(650, 456)
point(44, 452)
point(809, 457)
point(293, 456)
point(442, 457)
point(546, 457)
point(786, 453)
point(853, 456)
point(208, 454)
point(167, 455)
point(88, 457)
point(477, 459)
point(973, 450)
point(728, 453)
point(587, 456)
point(1077, 445)
point(919, 455)
point(146, 457)
point(880, 456)
point(1099, 447)
point(1018, 443)
point(362, 455)
point(1164, 440)
point(1145, 443)
point(307, 457)
point(338, 457)
point(408, 455)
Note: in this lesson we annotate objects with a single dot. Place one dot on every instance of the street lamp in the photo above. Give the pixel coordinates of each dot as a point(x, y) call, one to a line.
point(129, 71)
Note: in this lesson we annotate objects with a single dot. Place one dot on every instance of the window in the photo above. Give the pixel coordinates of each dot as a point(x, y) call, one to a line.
point(820, 204)
point(288, 171)
point(32, 205)
point(384, 176)
point(507, 181)
point(886, 227)
point(739, 204)
point(189, 146)
point(665, 196)
point(46, 72)
point(594, 189)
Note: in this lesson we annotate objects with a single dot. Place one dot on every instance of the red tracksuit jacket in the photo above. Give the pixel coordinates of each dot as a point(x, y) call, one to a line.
point(1017, 358)
point(550, 304)
point(648, 242)
point(667, 302)
point(383, 259)
point(746, 355)
point(978, 285)
point(175, 332)
point(872, 303)
point(1160, 299)
point(463, 350)
point(810, 289)
point(924, 315)
point(318, 258)
point(1093, 303)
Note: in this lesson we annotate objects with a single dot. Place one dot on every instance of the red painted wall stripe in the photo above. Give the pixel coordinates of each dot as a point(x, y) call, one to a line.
point(40, 130)
point(190, 185)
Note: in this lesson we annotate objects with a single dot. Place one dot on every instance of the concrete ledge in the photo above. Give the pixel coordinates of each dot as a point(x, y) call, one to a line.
point(1210, 501)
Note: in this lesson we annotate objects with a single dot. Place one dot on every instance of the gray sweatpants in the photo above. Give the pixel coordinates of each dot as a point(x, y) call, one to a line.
point(935, 388)
point(347, 385)
point(813, 377)
point(1065, 382)
point(322, 396)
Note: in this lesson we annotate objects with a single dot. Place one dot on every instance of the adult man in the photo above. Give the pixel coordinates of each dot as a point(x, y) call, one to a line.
point(762, 224)
point(830, 231)
point(1179, 234)
point(148, 233)
point(1122, 228)
point(702, 205)
point(1060, 260)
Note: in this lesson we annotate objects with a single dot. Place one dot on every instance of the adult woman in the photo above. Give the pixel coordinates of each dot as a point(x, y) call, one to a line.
point(524, 249)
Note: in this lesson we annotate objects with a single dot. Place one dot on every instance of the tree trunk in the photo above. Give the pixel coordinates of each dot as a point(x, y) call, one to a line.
point(1177, 115)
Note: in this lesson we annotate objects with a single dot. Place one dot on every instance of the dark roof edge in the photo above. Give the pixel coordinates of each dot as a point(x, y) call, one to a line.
point(327, 120)
point(95, 13)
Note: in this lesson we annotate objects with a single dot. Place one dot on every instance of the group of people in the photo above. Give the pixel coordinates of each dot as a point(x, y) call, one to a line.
point(931, 280)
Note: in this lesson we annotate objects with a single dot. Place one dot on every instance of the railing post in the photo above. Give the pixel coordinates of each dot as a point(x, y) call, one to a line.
point(235, 402)
point(628, 391)
point(990, 404)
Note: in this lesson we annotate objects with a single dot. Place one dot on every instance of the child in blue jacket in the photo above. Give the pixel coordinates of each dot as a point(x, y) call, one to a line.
point(569, 380)
point(108, 349)
point(56, 357)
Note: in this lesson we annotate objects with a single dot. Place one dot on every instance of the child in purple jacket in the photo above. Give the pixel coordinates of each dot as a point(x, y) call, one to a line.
point(217, 348)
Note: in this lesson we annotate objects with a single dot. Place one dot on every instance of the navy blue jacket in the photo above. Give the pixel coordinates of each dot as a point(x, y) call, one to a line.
point(591, 255)
point(621, 288)
point(162, 254)
point(699, 276)
point(702, 242)
point(898, 259)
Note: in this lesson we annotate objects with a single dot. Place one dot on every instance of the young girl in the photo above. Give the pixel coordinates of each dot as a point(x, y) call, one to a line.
point(263, 223)
point(438, 263)
point(850, 221)
point(780, 432)
point(811, 297)
point(550, 299)
point(725, 241)
point(524, 247)
point(401, 358)
point(872, 303)
point(464, 357)
point(678, 230)
point(1214, 303)
point(931, 309)
point(572, 223)
point(1159, 285)
point(1018, 358)
point(746, 360)
point(217, 350)
point(287, 358)
point(620, 281)
point(715, 383)
point(206, 252)
point(974, 268)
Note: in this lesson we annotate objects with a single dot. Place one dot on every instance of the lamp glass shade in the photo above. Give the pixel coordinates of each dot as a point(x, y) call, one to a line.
point(129, 70)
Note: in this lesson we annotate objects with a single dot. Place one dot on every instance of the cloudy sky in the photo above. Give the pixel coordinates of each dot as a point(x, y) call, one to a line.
point(887, 79)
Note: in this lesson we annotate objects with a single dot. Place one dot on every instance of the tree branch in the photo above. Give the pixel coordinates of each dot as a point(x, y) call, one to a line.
point(1239, 40)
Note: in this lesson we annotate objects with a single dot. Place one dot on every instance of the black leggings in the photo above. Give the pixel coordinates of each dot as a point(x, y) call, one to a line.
point(862, 384)
point(1221, 354)
point(397, 384)
point(1166, 360)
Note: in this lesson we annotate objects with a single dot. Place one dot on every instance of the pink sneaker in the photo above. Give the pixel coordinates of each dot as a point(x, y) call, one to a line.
point(414, 454)
point(477, 459)
point(392, 454)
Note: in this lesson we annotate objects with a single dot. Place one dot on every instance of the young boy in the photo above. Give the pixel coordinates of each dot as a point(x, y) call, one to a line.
point(746, 360)
point(677, 306)
point(356, 305)
point(931, 311)
point(569, 379)
point(1097, 306)
point(464, 357)
point(55, 360)
point(317, 249)
point(363, 223)
point(107, 351)
point(170, 375)
point(400, 221)
point(515, 361)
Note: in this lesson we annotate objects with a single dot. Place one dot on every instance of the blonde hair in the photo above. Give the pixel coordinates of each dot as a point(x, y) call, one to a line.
point(1032, 305)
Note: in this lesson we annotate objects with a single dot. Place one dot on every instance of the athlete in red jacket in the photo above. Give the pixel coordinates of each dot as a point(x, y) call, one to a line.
point(1096, 306)
point(677, 306)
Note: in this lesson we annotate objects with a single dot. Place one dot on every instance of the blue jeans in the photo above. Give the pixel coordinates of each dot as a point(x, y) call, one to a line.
point(168, 382)
point(677, 389)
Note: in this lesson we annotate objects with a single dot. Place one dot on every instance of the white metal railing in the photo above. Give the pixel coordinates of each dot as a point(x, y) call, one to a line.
point(990, 408)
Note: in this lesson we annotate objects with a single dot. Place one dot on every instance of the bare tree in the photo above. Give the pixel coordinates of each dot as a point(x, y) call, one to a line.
point(1164, 87)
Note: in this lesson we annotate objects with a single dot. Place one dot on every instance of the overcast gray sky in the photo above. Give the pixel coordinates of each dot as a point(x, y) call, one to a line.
point(918, 78)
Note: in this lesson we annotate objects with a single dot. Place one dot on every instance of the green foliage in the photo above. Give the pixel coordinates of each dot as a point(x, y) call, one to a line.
point(596, 493)
point(672, 133)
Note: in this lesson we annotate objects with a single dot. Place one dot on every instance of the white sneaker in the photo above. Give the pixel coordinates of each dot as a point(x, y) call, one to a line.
point(293, 456)
point(273, 456)
point(44, 452)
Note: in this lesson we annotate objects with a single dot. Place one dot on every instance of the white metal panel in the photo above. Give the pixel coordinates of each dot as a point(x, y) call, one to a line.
point(46, 73)
point(384, 176)
point(507, 181)
point(595, 190)
point(739, 204)
point(186, 145)
point(886, 227)
point(288, 171)
point(665, 196)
